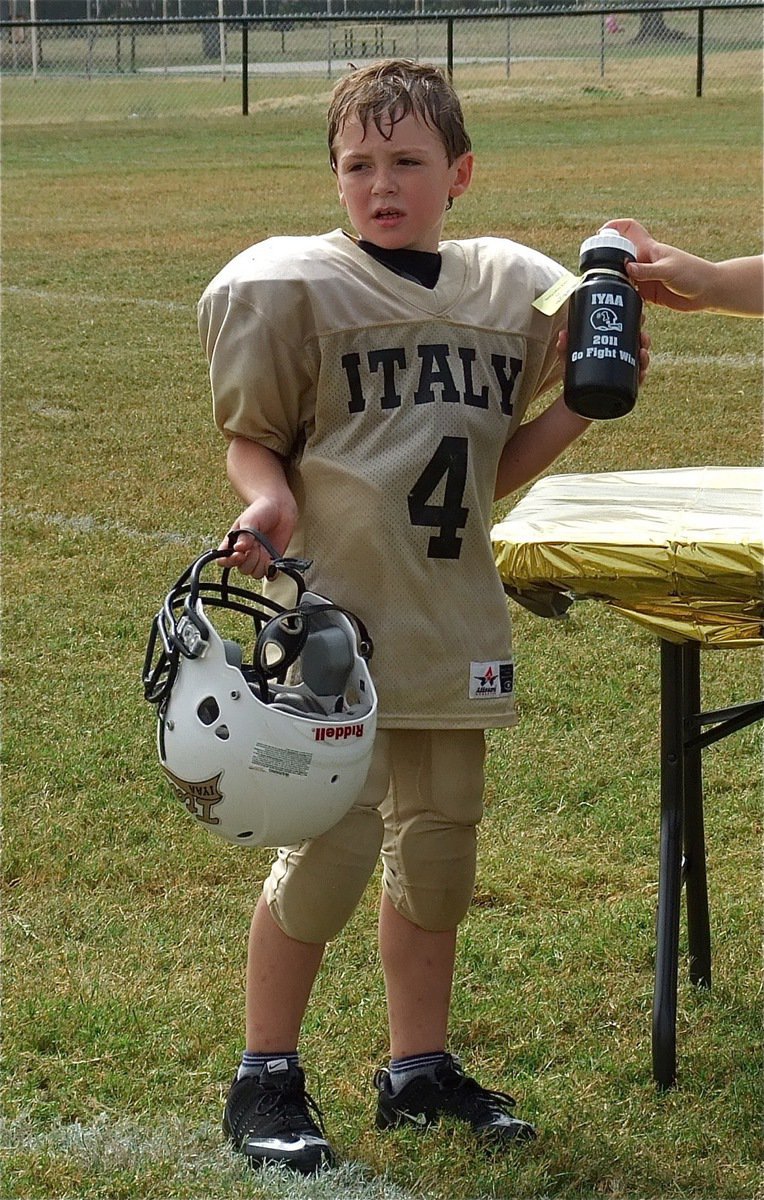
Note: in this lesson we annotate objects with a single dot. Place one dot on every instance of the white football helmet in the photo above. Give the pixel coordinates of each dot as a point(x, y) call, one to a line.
point(272, 751)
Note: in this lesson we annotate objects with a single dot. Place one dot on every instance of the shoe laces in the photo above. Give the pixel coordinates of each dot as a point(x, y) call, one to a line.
point(451, 1077)
point(290, 1100)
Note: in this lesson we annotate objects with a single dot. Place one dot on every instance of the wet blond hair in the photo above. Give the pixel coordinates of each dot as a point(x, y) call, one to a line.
point(386, 92)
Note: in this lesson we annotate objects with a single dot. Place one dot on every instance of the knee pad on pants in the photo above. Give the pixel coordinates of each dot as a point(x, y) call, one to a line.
point(314, 888)
point(431, 813)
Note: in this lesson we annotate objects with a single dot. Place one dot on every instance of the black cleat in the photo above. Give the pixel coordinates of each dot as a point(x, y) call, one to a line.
point(449, 1092)
point(268, 1119)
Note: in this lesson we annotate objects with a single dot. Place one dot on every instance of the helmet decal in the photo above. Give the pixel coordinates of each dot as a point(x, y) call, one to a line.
point(199, 797)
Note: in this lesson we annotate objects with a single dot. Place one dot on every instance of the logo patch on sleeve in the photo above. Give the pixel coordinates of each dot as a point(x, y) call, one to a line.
point(489, 680)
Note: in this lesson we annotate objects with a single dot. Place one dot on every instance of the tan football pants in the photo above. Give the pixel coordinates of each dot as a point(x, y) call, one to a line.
point(420, 806)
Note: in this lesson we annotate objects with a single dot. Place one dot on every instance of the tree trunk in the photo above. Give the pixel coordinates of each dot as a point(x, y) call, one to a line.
point(653, 28)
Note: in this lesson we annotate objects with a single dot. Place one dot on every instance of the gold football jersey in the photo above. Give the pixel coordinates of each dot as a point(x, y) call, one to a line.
point(391, 404)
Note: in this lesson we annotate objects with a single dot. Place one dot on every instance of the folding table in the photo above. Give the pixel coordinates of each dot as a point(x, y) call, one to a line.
point(679, 552)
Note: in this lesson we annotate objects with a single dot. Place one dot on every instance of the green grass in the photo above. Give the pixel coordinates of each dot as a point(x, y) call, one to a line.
point(125, 928)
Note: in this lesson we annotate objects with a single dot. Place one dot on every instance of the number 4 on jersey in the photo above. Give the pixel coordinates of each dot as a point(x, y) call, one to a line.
point(449, 463)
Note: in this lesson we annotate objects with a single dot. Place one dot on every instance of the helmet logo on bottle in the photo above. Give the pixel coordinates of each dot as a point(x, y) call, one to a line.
point(604, 320)
point(199, 797)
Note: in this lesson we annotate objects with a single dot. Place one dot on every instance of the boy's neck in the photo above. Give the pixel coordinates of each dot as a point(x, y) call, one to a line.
point(419, 266)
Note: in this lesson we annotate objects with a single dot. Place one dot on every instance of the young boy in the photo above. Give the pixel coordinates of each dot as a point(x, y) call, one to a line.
point(372, 388)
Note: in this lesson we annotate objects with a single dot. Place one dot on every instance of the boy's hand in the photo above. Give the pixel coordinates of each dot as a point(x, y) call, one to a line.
point(248, 555)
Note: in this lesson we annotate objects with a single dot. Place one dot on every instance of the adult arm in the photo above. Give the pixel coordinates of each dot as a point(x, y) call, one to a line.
point(685, 282)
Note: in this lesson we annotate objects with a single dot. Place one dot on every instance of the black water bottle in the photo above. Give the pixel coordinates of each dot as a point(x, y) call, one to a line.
point(604, 314)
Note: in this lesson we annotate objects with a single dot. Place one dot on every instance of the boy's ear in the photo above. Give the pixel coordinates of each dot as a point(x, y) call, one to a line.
point(462, 175)
point(341, 194)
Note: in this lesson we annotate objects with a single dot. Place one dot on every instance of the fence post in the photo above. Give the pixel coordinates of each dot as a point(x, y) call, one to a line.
point(699, 72)
point(245, 68)
point(35, 36)
point(222, 40)
point(450, 48)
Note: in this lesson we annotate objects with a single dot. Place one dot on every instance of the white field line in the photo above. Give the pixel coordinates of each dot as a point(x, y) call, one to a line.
point(92, 525)
point(107, 1146)
point(24, 293)
point(739, 362)
point(728, 361)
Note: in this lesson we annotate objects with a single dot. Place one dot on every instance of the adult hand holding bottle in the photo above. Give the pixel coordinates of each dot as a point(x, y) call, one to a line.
point(685, 282)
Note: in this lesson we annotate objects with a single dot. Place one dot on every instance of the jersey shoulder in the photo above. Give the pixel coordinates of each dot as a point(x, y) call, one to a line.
point(503, 279)
point(281, 259)
point(503, 256)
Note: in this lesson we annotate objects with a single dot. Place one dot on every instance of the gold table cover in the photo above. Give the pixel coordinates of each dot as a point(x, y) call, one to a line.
point(679, 551)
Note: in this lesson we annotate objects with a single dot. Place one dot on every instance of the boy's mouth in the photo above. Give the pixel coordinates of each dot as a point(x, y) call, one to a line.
point(387, 214)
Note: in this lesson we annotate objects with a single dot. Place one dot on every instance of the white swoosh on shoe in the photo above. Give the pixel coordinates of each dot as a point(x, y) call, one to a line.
point(291, 1147)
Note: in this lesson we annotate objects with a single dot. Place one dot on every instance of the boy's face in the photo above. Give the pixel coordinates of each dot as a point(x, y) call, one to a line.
point(396, 190)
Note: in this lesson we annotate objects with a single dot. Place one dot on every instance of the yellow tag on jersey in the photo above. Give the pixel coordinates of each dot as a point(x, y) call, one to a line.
point(555, 296)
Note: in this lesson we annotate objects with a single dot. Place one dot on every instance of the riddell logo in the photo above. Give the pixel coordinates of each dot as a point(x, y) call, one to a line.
point(325, 733)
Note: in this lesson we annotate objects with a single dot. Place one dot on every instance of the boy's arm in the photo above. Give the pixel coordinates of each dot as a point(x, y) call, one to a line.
point(258, 476)
point(536, 445)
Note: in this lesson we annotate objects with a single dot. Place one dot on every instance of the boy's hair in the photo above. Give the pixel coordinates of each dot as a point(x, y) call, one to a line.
point(386, 92)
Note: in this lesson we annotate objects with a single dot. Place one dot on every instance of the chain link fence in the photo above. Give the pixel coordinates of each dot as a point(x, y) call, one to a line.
point(63, 71)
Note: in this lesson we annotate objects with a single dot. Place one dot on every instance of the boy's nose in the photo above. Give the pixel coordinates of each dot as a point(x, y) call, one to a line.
point(384, 183)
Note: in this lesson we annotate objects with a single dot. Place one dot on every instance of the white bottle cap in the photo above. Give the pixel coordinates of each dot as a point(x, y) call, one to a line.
point(609, 239)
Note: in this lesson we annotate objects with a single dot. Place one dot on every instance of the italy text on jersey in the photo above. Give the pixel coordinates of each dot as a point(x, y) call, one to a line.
point(438, 375)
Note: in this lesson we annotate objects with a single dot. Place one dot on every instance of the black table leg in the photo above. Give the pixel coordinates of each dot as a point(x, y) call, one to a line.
point(683, 738)
point(673, 711)
point(696, 886)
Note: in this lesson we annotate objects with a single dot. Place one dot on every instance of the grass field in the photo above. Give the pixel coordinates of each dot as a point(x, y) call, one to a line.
point(125, 927)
